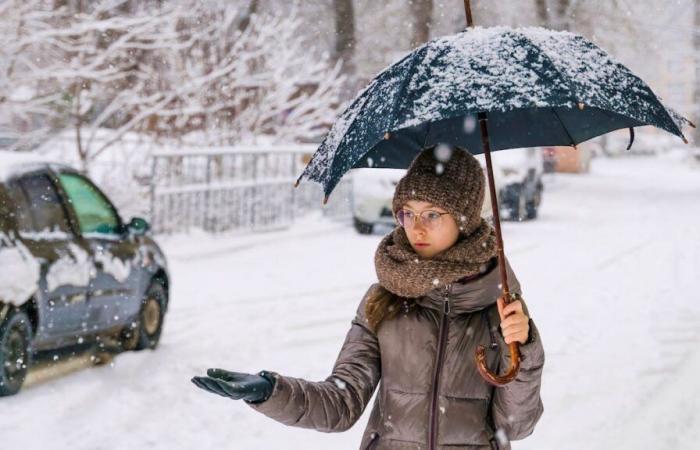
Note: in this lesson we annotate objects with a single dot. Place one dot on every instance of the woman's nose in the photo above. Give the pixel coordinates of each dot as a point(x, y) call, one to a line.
point(418, 226)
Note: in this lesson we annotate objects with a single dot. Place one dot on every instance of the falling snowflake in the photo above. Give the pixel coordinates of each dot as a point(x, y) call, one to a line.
point(443, 153)
point(339, 383)
point(469, 124)
point(502, 437)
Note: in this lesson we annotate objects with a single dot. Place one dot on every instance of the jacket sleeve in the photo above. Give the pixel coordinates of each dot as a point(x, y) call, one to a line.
point(335, 404)
point(517, 406)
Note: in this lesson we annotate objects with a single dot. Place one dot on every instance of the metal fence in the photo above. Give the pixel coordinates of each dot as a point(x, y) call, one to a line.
point(237, 188)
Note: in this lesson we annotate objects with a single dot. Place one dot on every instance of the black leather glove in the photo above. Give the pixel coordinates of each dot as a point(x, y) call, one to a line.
point(236, 385)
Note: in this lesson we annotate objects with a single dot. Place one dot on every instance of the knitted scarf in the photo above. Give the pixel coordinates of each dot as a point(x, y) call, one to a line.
point(403, 272)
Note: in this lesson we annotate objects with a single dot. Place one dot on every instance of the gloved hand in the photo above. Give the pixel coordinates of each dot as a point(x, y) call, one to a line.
point(236, 385)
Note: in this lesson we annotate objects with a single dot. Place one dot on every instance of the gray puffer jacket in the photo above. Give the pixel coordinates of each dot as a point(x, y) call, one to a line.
point(431, 395)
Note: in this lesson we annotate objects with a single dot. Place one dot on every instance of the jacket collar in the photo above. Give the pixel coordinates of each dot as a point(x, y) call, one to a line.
point(467, 295)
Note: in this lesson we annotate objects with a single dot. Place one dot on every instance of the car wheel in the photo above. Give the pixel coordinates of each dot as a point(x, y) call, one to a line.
point(15, 354)
point(151, 314)
point(363, 227)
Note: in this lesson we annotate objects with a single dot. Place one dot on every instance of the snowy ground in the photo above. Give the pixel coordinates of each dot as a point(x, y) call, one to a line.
point(609, 271)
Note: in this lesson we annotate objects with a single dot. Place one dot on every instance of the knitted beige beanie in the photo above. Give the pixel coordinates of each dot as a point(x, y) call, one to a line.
point(448, 177)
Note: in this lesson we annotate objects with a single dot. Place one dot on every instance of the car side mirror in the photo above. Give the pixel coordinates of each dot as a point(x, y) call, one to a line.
point(138, 226)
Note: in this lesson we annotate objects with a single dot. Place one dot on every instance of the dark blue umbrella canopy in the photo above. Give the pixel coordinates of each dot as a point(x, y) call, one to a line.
point(536, 87)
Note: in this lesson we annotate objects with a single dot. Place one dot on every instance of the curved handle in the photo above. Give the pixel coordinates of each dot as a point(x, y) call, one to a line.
point(482, 366)
point(495, 379)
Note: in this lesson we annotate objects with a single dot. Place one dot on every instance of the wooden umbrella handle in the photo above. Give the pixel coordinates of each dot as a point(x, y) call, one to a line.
point(482, 365)
point(489, 376)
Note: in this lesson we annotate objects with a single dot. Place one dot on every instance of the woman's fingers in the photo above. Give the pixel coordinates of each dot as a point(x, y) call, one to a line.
point(226, 375)
point(516, 330)
point(506, 310)
point(213, 386)
point(513, 307)
point(230, 391)
point(218, 386)
point(515, 319)
point(196, 381)
point(201, 383)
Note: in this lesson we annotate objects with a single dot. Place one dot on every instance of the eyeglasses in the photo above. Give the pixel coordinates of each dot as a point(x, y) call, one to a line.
point(429, 219)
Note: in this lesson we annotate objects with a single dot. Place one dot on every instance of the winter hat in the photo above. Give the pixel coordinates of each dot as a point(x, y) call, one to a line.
point(448, 177)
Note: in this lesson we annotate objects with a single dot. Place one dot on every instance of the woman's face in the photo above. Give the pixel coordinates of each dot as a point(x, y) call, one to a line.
point(426, 241)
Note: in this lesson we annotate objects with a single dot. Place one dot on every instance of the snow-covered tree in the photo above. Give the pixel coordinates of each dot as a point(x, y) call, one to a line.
point(244, 74)
point(218, 68)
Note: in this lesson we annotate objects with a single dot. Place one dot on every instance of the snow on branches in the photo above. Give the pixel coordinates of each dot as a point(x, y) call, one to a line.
point(226, 74)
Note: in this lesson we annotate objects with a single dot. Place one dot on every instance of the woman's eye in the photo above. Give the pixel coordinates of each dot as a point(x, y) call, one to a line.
point(408, 215)
point(432, 215)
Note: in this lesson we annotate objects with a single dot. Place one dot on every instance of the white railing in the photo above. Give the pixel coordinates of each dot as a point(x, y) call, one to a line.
point(240, 187)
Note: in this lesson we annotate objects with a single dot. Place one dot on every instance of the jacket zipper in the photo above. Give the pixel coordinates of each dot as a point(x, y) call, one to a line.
point(373, 440)
point(442, 340)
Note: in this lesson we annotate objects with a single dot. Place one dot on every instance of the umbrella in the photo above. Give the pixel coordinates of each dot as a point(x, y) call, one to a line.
point(488, 89)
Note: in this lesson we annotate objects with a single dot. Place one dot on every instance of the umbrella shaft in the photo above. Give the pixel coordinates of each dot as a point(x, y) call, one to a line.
point(483, 123)
point(468, 12)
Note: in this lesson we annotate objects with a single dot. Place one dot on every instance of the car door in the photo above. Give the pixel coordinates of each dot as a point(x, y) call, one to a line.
point(113, 293)
point(65, 263)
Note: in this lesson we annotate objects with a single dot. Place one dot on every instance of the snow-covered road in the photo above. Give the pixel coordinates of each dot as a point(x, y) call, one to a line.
point(609, 271)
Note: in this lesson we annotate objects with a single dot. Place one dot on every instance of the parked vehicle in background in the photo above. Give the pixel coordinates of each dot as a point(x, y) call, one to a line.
point(518, 179)
point(521, 187)
point(72, 273)
point(372, 193)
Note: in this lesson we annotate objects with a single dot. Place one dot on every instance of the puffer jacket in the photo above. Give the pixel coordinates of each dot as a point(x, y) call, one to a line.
point(431, 395)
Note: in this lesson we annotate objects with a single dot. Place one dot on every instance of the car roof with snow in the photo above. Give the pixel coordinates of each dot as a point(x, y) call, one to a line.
point(16, 163)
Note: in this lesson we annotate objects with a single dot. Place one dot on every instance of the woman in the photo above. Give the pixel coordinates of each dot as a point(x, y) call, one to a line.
point(418, 328)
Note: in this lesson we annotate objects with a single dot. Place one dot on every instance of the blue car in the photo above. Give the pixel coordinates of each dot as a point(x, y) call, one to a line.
point(72, 272)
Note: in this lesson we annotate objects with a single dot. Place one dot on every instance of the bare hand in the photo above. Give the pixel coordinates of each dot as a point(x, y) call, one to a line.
point(515, 325)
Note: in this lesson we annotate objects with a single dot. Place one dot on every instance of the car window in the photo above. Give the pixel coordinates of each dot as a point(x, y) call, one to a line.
point(95, 213)
point(37, 195)
point(20, 208)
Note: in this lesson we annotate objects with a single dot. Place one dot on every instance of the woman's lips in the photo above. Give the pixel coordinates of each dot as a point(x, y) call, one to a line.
point(421, 244)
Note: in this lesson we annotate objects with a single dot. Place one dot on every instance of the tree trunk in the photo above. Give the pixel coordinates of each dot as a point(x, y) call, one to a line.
point(542, 14)
point(344, 33)
point(422, 12)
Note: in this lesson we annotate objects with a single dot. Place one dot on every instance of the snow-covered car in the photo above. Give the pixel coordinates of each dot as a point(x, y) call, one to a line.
point(72, 273)
point(520, 190)
point(373, 190)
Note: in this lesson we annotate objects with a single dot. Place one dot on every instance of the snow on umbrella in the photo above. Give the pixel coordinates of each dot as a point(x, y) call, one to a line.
point(537, 87)
point(488, 89)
